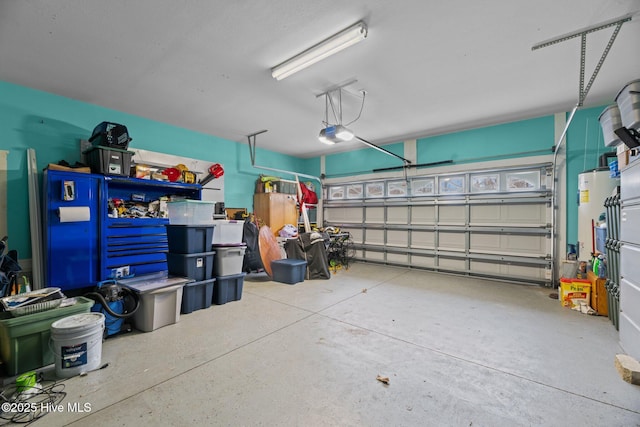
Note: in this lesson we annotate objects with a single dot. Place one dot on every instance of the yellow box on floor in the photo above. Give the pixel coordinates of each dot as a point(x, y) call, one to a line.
point(574, 291)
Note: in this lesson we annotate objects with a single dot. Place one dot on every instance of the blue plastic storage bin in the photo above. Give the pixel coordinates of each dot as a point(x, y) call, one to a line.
point(198, 266)
point(189, 239)
point(289, 271)
point(197, 295)
point(601, 238)
point(228, 288)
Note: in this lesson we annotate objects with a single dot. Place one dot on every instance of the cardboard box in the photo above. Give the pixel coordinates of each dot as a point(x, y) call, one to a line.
point(623, 158)
point(55, 167)
point(141, 171)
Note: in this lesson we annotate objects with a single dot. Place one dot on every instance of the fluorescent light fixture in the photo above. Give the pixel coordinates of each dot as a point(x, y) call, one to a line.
point(328, 47)
point(334, 134)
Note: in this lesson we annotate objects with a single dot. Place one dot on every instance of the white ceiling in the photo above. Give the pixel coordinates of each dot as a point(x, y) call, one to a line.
point(428, 67)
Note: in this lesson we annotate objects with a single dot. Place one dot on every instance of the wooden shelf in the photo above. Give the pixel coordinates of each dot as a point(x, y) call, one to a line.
point(276, 209)
point(599, 294)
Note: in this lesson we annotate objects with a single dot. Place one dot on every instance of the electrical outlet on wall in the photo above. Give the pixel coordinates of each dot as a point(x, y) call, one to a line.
point(120, 272)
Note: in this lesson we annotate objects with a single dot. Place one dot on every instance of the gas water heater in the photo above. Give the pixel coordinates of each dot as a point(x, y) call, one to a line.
point(593, 188)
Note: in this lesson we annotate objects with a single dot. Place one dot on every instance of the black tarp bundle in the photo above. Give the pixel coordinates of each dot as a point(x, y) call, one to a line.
point(252, 260)
point(312, 248)
point(9, 268)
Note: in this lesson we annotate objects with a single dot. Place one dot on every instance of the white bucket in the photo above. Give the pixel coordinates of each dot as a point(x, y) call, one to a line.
point(77, 343)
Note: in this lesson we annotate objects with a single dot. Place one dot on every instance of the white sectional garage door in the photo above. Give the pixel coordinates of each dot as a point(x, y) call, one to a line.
point(487, 223)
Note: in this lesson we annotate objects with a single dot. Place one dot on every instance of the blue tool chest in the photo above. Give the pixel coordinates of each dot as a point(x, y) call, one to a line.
point(72, 242)
point(99, 227)
point(140, 244)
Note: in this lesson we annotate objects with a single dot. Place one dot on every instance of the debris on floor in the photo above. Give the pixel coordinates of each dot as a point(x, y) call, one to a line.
point(584, 309)
point(335, 266)
point(553, 295)
point(384, 380)
point(364, 290)
point(628, 368)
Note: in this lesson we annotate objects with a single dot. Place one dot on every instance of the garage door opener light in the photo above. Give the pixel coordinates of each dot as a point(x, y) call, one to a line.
point(334, 134)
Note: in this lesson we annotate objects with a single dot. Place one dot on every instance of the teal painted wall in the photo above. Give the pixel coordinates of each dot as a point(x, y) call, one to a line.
point(584, 147)
point(362, 161)
point(532, 137)
point(312, 167)
point(54, 125)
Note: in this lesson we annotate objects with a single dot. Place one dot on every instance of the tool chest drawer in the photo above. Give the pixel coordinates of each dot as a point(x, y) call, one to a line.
point(139, 244)
point(150, 232)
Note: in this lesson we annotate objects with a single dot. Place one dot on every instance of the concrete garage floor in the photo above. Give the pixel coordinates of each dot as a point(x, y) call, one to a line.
point(457, 351)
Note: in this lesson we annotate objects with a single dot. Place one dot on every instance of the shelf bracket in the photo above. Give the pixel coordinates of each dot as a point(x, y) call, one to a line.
point(582, 94)
point(582, 33)
point(251, 139)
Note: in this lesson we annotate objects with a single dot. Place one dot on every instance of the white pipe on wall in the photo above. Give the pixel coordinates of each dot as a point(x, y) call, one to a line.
point(3, 192)
point(554, 198)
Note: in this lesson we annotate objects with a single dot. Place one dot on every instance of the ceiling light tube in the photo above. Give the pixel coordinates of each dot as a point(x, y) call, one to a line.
point(324, 49)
